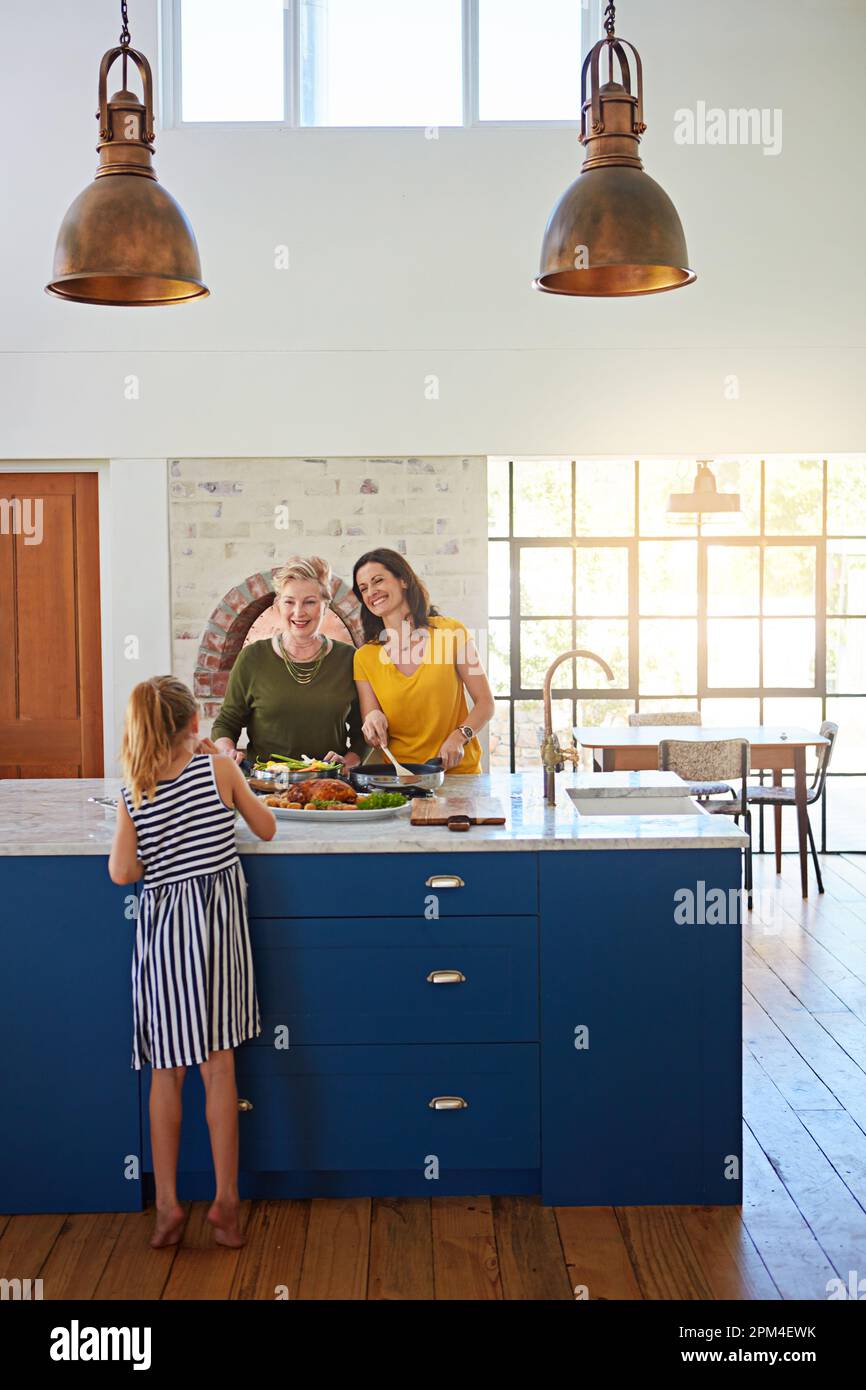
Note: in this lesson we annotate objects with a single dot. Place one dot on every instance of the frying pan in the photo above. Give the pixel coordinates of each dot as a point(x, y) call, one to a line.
point(425, 776)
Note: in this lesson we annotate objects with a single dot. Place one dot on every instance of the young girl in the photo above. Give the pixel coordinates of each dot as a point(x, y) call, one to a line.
point(193, 992)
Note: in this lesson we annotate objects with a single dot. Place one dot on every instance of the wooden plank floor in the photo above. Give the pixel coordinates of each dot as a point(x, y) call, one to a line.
point(803, 1220)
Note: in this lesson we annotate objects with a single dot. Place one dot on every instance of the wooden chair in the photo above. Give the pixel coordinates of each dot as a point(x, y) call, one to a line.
point(686, 716)
point(777, 797)
point(706, 766)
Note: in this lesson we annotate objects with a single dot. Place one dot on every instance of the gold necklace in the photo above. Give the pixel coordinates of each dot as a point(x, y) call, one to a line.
point(302, 677)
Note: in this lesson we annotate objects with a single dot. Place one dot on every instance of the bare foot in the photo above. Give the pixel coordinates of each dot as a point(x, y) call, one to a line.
point(223, 1216)
point(168, 1228)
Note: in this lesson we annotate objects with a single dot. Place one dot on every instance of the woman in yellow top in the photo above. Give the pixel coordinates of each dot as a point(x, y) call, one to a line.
point(415, 669)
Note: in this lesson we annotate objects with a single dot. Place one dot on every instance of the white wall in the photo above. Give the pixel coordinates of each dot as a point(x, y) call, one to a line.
point(413, 257)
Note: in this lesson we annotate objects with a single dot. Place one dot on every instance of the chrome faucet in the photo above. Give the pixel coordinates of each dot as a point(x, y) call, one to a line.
point(553, 755)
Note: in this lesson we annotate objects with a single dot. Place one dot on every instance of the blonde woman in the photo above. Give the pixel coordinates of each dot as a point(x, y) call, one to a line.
point(415, 670)
point(294, 692)
point(193, 990)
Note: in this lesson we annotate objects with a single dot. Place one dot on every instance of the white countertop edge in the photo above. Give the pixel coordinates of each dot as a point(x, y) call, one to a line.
point(437, 844)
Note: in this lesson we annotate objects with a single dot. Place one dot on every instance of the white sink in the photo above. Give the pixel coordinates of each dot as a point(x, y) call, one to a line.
point(648, 793)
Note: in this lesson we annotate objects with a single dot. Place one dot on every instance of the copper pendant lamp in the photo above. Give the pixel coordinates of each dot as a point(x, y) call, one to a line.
point(614, 231)
point(125, 240)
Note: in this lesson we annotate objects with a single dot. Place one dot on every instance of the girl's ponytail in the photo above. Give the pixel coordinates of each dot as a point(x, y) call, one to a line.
point(158, 710)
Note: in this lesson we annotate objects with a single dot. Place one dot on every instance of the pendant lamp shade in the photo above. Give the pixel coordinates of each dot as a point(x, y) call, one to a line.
point(614, 231)
point(125, 240)
point(632, 233)
point(705, 498)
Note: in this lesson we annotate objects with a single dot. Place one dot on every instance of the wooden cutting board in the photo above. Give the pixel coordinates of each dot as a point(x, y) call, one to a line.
point(457, 812)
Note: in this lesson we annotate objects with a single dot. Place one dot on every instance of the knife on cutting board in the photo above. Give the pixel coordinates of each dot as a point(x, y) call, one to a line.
point(458, 812)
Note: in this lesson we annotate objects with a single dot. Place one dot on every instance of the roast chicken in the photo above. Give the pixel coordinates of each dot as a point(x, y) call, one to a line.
point(322, 789)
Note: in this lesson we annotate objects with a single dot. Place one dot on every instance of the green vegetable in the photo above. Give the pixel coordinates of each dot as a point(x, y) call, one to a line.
point(378, 801)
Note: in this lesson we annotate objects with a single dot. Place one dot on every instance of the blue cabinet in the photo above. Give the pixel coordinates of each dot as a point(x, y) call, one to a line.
point(396, 980)
point(641, 1035)
point(580, 1041)
point(346, 1110)
point(392, 885)
point(71, 1136)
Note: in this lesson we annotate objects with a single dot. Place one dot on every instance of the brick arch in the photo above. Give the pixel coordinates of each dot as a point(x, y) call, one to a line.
point(228, 625)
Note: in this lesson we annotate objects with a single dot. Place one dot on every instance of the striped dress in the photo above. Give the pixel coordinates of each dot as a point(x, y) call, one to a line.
point(193, 989)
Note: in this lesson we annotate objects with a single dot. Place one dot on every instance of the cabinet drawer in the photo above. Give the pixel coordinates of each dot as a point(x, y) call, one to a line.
point(392, 885)
point(368, 1108)
point(400, 980)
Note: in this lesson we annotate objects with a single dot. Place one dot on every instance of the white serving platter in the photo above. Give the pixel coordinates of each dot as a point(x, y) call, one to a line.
point(312, 817)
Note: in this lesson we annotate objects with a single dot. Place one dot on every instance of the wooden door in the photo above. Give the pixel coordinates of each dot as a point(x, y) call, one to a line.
point(50, 646)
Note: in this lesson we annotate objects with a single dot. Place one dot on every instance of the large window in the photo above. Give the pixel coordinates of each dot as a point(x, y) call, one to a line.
point(752, 617)
point(374, 62)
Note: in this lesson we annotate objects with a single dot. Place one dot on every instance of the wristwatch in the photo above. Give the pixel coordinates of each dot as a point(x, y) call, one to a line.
point(467, 731)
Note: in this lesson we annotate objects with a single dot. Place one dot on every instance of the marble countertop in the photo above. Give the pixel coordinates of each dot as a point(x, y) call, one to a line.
point(56, 817)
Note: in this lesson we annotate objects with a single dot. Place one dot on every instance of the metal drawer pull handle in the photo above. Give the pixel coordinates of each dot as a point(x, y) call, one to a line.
point(445, 881)
point(446, 977)
point(245, 1105)
point(448, 1103)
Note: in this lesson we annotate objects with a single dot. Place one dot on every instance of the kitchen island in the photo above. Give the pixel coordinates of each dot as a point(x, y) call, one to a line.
point(549, 1006)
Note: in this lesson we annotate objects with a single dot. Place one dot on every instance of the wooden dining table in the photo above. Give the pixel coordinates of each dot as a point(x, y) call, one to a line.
point(772, 748)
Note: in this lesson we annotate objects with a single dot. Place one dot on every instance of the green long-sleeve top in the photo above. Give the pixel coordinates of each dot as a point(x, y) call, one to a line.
point(281, 716)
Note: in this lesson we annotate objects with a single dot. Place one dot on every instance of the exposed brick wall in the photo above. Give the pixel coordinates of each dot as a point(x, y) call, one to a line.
point(226, 532)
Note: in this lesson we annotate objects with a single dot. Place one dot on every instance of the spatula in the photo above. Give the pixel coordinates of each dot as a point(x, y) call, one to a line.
point(400, 770)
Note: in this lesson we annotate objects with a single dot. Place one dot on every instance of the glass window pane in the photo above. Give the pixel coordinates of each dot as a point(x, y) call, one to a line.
point(668, 656)
point(499, 578)
point(527, 59)
point(733, 580)
point(542, 497)
point(846, 496)
point(849, 755)
point(608, 638)
point(789, 651)
point(789, 579)
point(846, 656)
point(591, 714)
point(546, 586)
point(497, 497)
point(601, 585)
point(540, 643)
point(742, 476)
point(735, 712)
point(794, 711)
point(667, 706)
point(232, 60)
point(604, 497)
point(383, 63)
point(529, 730)
point(732, 652)
point(658, 479)
point(846, 577)
point(668, 577)
point(793, 496)
point(846, 826)
point(499, 655)
point(500, 736)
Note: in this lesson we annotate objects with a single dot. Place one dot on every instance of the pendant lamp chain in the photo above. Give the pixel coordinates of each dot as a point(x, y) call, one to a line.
point(610, 20)
point(124, 35)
